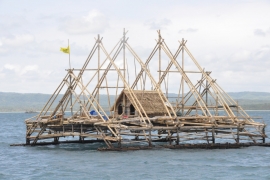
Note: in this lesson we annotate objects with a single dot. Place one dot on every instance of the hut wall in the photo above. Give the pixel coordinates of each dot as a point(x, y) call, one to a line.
point(125, 107)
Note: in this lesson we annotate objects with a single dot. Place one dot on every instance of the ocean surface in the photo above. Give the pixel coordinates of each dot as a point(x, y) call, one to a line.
point(83, 161)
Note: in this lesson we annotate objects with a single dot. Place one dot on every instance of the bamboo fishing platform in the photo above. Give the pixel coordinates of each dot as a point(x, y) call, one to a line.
point(129, 104)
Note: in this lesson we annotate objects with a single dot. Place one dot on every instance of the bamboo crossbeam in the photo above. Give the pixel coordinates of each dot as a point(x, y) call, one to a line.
point(101, 69)
point(178, 71)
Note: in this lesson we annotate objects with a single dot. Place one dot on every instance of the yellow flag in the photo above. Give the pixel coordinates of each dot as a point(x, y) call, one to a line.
point(65, 50)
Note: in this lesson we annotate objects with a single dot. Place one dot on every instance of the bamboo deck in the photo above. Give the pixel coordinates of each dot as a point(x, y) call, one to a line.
point(142, 114)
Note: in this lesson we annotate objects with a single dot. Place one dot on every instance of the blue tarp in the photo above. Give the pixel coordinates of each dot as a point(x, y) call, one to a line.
point(94, 113)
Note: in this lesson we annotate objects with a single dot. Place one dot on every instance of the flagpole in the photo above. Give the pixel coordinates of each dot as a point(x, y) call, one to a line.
point(69, 55)
point(71, 109)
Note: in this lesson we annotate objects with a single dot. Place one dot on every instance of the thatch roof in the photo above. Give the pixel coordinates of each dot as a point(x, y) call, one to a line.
point(150, 101)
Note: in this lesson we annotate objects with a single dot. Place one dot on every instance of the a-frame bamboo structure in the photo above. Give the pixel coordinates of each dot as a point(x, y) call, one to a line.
point(106, 104)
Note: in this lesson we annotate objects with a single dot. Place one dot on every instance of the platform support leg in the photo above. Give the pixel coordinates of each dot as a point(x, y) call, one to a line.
point(149, 138)
point(213, 135)
point(177, 140)
point(263, 131)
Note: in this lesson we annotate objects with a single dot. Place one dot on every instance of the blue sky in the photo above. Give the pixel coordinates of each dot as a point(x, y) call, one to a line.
point(231, 39)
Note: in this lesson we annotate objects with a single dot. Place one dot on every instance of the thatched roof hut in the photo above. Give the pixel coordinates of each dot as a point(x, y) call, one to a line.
point(150, 102)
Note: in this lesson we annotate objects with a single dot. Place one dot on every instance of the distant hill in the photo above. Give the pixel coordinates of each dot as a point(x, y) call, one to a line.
point(14, 102)
point(10, 101)
point(250, 95)
point(252, 100)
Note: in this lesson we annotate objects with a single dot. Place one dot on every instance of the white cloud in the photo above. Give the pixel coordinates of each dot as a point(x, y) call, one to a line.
point(17, 40)
point(29, 68)
point(263, 52)
point(188, 30)
point(12, 67)
point(158, 24)
point(241, 55)
point(222, 36)
point(259, 32)
point(21, 70)
point(262, 32)
point(210, 57)
point(93, 22)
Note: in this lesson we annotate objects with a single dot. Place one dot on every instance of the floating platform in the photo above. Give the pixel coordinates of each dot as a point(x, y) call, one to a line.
point(167, 100)
point(180, 146)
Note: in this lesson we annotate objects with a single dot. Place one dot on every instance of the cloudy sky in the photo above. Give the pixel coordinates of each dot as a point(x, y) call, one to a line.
point(230, 38)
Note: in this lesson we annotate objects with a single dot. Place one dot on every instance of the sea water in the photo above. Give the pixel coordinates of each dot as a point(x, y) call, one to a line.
point(83, 161)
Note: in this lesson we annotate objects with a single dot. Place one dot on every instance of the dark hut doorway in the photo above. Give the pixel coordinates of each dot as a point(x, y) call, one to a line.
point(120, 109)
point(132, 110)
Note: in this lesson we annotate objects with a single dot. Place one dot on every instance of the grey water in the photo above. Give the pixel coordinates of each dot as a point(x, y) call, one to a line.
point(83, 161)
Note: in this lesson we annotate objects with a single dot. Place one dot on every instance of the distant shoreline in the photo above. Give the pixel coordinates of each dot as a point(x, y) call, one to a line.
point(22, 102)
